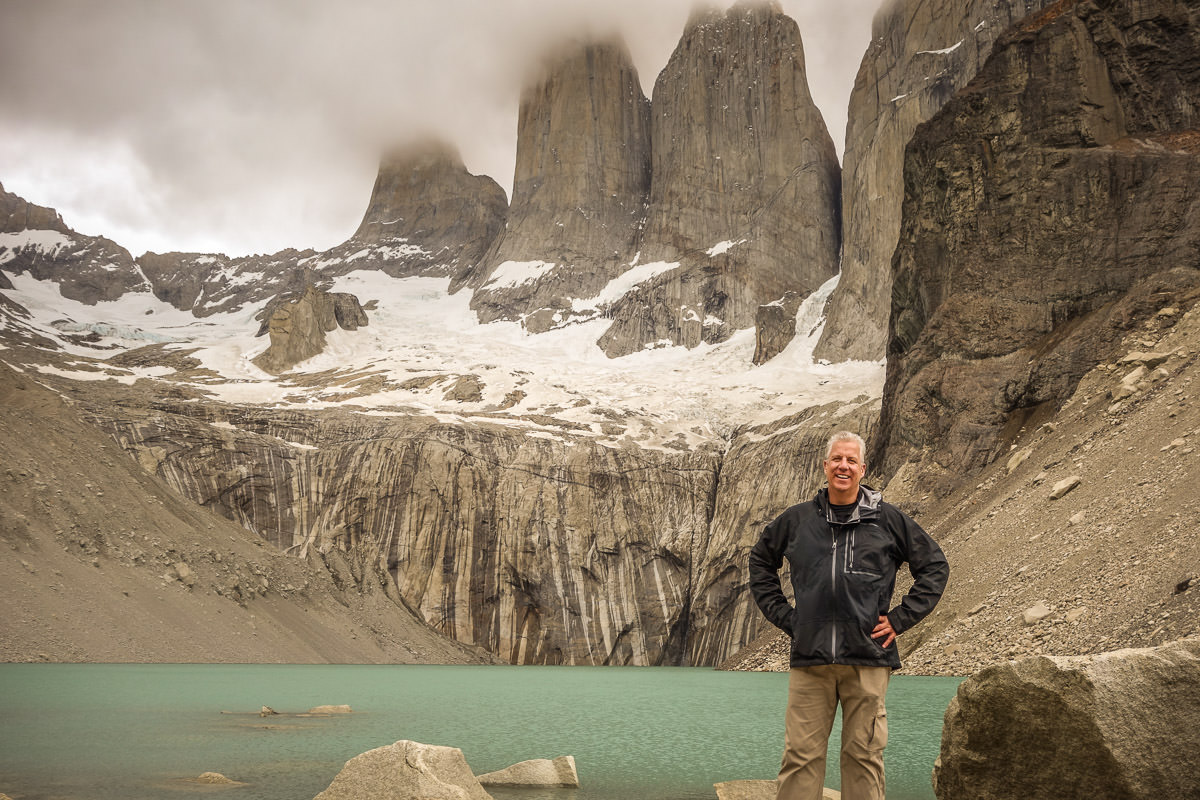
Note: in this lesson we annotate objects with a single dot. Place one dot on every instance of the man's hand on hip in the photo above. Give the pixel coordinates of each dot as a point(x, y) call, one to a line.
point(884, 628)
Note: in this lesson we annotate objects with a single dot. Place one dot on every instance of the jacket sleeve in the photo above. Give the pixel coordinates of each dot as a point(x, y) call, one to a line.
point(766, 557)
point(929, 569)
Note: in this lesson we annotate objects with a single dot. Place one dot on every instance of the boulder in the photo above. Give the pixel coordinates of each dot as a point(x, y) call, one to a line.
point(537, 772)
point(760, 790)
point(1065, 487)
point(1124, 724)
point(406, 770)
point(215, 779)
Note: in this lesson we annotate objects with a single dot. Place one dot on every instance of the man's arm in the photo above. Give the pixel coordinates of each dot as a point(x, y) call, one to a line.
point(929, 569)
point(766, 557)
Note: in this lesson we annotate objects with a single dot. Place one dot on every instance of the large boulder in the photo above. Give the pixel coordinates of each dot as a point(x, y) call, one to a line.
point(404, 771)
point(536, 772)
point(1123, 725)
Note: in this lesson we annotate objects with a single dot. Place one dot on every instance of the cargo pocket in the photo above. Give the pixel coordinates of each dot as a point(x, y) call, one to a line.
point(879, 730)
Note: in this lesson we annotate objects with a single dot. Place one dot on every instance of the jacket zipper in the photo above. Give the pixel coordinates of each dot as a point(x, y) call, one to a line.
point(833, 577)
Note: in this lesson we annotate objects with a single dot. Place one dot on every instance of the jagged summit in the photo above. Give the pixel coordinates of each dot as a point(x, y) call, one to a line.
point(431, 210)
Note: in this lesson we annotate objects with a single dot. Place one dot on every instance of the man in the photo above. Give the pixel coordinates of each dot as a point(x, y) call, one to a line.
point(843, 548)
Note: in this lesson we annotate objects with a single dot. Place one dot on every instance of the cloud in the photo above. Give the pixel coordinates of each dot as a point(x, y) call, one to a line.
point(251, 127)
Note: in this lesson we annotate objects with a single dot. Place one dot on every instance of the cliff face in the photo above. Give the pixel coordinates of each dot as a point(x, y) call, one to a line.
point(920, 54)
point(542, 551)
point(745, 184)
point(579, 189)
point(1049, 208)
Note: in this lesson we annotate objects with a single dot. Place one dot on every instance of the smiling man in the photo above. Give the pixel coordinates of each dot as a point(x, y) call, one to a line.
point(843, 548)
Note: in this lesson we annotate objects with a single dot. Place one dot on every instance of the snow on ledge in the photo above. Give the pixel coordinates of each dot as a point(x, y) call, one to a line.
point(517, 273)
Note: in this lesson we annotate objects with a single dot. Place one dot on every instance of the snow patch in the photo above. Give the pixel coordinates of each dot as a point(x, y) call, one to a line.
point(724, 247)
point(517, 273)
point(621, 285)
point(947, 51)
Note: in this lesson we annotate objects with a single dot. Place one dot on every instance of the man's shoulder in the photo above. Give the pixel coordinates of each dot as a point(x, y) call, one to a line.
point(798, 511)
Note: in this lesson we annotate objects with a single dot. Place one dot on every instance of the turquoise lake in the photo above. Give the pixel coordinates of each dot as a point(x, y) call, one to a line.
point(133, 732)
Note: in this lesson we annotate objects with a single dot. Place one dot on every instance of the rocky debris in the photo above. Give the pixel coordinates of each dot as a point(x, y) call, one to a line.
point(775, 327)
point(1122, 725)
point(537, 772)
point(427, 216)
point(1064, 487)
point(985, 332)
point(745, 183)
point(326, 710)
point(579, 190)
point(921, 53)
point(297, 326)
point(405, 770)
point(760, 790)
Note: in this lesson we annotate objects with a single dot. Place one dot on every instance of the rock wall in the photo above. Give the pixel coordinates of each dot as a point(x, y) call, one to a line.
point(921, 53)
point(542, 551)
point(1049, 208)
point(745, 183)
point(579, 189)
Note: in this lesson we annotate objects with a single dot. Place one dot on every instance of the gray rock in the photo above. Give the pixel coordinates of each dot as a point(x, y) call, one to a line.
point(297, 326)
point(536, 772)
point(760, 790)
point(579, 190)
point(406, 770)
point(921, 53)
point(745, 185)
point(1123, 725)
point(1036, 614)
point(1065, 487)
point(1008, 282)
point(775, 327)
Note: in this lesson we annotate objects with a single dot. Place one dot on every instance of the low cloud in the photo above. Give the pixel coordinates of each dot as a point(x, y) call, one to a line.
point(251, 127)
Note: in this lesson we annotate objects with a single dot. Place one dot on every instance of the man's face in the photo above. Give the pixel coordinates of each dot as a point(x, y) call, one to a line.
point(844, 469)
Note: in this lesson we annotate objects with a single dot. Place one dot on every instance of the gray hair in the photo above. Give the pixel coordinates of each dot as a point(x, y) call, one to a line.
point(846, 436)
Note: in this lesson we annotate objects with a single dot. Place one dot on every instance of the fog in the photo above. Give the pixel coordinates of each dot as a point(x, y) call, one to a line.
point(247, 127)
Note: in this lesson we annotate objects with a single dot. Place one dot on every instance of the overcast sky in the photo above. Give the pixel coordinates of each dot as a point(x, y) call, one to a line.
point(248, 126)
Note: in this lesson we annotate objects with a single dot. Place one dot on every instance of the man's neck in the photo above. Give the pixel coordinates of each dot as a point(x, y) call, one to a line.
point(843, 498)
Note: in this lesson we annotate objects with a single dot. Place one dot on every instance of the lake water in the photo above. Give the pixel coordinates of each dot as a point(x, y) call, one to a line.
point(133, 732)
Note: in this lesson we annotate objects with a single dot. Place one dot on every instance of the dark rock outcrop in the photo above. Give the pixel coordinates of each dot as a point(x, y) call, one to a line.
point(297, 325)
point(1117, 726)
point(579, 189)
point(745, 183)
point(89, 269)
point(1049, 208)
point(921, 53)
point(775, 327)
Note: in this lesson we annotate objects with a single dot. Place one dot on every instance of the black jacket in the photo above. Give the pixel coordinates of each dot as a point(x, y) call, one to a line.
point(843, 576)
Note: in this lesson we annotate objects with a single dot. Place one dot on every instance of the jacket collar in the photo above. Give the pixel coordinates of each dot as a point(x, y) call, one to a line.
point(866, 508)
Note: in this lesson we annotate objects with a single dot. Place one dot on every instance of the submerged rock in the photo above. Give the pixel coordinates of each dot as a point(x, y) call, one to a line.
point(1122, 725)
point(406, 770)
point(536, 772)
point(330, 710)
point(760, 790)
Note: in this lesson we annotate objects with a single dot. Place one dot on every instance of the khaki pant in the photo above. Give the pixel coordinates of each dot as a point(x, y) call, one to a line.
point(813, 696)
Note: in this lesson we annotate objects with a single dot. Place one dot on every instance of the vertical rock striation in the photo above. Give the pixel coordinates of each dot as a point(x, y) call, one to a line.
point(579, 189)
point(1049, 207)
point(921, 53)
point(745, 189)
